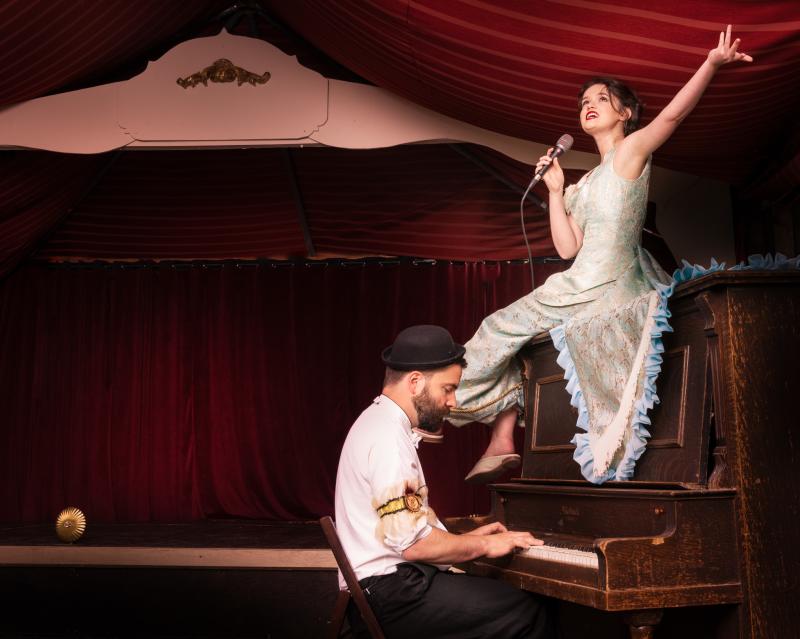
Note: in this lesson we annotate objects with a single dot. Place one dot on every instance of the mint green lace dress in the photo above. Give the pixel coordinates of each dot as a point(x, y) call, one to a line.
point(605, 315)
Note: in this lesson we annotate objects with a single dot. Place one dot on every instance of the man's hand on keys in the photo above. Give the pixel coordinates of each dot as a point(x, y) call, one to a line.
point(500, 541)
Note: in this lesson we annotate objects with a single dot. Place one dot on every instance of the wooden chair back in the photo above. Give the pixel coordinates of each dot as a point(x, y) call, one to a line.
point(329, 528)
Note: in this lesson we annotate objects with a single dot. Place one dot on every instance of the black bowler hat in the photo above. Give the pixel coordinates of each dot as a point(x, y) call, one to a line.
point(423, 347)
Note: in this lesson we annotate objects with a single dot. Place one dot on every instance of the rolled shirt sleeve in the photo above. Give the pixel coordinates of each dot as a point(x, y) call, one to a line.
point(399, 496)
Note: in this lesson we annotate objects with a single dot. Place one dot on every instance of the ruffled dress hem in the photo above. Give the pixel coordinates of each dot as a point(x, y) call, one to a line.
point(584, 445)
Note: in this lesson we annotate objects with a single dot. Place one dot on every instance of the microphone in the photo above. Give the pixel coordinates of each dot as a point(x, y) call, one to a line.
point(563, 145)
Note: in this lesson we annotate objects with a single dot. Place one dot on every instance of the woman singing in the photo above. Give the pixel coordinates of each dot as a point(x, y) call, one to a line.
point(606, 303)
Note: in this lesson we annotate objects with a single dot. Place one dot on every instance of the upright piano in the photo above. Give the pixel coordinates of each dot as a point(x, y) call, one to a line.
point(711, 519)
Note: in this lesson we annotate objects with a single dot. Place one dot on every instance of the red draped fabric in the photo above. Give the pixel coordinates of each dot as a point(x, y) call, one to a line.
point(421, 200)
point(506, 65)
point(50, 44)
point(509, 66)
point(515, 66)
point(180, 392)
point(185, 205)
point(37, 190)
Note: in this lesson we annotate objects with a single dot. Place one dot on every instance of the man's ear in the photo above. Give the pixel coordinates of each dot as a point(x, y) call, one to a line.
point(416, 382)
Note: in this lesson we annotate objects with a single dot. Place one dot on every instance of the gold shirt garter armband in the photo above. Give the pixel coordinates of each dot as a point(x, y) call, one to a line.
point(411, 503)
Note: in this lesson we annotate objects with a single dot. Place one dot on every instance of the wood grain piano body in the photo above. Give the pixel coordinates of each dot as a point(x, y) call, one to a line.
point(652, 545)
point(678, 449)
point(711, 516)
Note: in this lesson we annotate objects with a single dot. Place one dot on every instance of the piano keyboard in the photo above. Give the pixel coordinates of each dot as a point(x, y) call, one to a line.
point(561, 555)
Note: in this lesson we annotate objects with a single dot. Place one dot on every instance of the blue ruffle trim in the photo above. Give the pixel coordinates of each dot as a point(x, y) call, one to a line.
point(639, 433)
point(693, 271)
point(778, 262)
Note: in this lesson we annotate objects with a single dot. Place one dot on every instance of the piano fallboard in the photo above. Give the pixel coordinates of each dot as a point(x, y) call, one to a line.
point(653, 546)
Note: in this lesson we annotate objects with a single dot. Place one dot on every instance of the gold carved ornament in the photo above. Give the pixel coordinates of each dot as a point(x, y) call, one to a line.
point(70, 525)
point(223, 71)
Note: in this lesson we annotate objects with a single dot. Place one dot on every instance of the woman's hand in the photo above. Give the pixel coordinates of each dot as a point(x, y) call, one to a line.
point(727, 52)
point(554, 178)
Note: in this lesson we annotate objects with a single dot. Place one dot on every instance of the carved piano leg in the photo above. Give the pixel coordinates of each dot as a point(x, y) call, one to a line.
point(642, 623)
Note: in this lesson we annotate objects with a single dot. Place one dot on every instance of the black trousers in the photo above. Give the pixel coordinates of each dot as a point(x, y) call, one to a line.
point(421, 601)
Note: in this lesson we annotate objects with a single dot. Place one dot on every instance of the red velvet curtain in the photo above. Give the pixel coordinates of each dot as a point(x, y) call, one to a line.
point(169, 393)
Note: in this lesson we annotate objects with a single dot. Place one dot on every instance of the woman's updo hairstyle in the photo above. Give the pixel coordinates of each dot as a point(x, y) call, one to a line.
point(625, 97)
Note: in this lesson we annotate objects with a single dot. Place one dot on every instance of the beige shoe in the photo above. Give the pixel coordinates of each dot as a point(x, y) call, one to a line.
point(488, 468)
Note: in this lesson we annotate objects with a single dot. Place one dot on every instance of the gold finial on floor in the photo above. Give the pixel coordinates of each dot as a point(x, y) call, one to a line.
point(70, 525)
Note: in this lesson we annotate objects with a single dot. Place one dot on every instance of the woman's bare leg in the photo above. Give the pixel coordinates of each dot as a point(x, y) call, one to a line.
point(499, 456)
point(502, 442)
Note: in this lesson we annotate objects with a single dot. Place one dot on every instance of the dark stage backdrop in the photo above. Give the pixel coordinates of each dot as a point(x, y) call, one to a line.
point(166, 393)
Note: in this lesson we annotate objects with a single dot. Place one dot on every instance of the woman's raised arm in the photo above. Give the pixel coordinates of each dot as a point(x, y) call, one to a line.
point(639, 145)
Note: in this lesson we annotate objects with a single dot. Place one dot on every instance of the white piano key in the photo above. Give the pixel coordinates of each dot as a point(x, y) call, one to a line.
point(561, 555)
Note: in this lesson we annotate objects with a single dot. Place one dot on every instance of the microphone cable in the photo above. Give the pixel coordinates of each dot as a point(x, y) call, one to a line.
point(525, 232)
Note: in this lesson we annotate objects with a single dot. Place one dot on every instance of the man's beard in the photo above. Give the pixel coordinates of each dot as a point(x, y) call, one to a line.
point(429, 415)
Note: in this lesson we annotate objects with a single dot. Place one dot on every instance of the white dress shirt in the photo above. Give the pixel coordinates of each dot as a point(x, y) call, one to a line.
point(377, 468)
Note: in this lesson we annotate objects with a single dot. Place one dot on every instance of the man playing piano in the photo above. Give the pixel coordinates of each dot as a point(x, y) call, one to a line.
point(398, 548)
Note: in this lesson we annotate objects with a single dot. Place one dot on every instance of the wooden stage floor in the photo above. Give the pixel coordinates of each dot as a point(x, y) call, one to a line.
point(202, 544)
